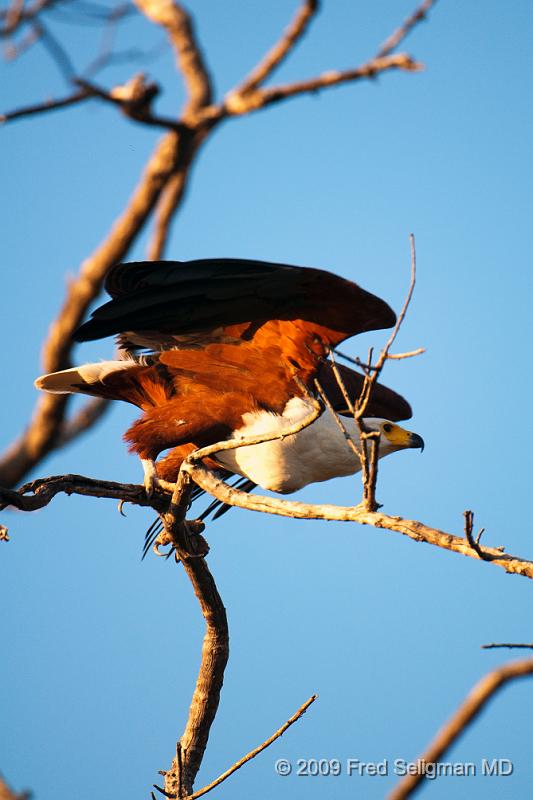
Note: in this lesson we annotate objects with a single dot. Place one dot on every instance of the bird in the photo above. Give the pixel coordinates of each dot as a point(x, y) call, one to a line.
point(224, 348)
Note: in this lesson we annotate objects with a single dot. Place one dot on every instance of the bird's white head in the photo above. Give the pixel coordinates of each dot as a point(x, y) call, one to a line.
point(393, 436)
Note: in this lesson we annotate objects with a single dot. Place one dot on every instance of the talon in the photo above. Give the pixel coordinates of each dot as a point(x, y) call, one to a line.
point(120, 508)
point(156, 550)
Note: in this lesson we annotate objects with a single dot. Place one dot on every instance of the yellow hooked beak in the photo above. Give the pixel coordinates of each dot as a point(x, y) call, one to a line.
point(400, 437)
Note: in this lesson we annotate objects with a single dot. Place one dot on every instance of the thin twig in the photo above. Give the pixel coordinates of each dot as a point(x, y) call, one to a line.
point(18, 13)
point(253, 753)
point(348, 439)
point(236, 104)
point(341, 385)
point(47, 105)
point(493, 645)
point(369, 460)
point(469, 527)
point(133, 99)
point(281, 49)
point(260, 438)
point(56, 51)
point(399, 35)
point(411, 354)
point(482, 692)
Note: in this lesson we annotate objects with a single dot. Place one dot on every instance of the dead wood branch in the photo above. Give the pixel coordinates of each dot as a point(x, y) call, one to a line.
point(368, 451)
point(47, 105)
point(417, 531)
point(38, 493)
point(179, 779)
point(464, 716)
point(236, 104)
point(281, 49)
point(19, 13)
point(41, 434)
point(253, 753)
point(168, 203)
point(170, 162)
point(87, 416)
point(179, 27)
point(399, 35)
point(134, 99)
point(44, 490)
point(469, 533)
point(6, 793)
point(510, 645)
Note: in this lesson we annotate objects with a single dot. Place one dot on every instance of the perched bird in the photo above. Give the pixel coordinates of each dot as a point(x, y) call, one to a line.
point(216, 349)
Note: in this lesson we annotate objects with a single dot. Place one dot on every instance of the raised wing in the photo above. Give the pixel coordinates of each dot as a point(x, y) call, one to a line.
point(158, 304)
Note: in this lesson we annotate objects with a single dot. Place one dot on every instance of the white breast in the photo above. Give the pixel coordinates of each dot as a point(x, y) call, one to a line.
point(317, 453)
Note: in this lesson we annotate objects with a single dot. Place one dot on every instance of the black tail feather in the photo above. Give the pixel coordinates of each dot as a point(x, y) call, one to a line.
point(217, 506)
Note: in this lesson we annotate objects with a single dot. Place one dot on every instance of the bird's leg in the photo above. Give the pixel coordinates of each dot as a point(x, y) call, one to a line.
point(151, 481)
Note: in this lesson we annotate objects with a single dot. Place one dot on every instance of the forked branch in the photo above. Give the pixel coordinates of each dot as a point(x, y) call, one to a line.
point(164, 181)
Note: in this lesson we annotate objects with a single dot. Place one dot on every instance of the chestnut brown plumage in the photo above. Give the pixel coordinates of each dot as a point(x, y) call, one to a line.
point(212, 343)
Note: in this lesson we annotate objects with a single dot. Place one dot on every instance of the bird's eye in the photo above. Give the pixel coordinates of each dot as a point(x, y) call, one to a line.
point(387, 427)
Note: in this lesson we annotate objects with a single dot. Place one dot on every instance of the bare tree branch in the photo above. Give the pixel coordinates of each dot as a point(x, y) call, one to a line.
point(236, 104)
point(56, 50)
point(86, 417)
point(18, 13)
point(40, 436)
point(253, 753)
point(134, 99)
point(44, 489)
point(171, 160)
point(281, 49)
point(8, 794)
point(179, 27)
point(506, 644)
point(417, 531)
point(169, 201)
point(399, 35)
point(206, 696)
point(469, 533)
point(463, 717)
point(47, 105)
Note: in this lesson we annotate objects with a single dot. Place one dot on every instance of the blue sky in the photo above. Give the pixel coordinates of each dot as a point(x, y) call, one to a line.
point(102, 650)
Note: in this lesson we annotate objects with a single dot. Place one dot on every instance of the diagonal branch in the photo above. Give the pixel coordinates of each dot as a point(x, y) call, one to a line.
point(19, 13)
point(47, 105)
point(236, 104)
point(281, 49)
point(43, 429)
point(179, 27)
point(255, 752)
point(399, 35)
point(480, 695)
point(93, 410)
point(6, 793)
